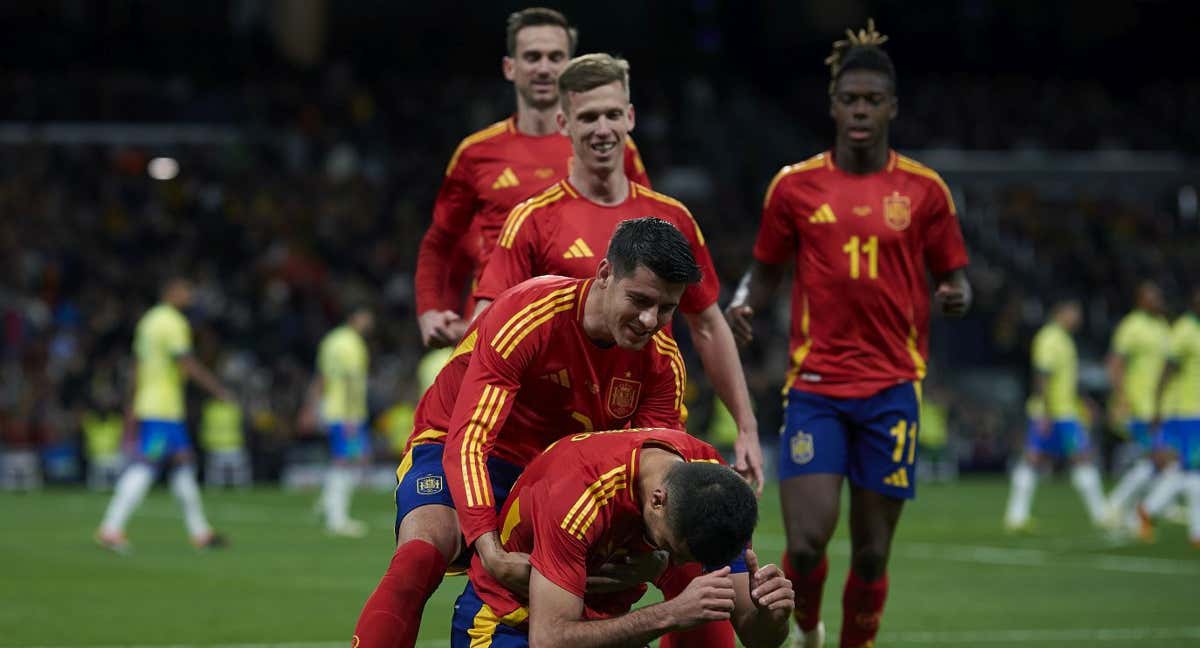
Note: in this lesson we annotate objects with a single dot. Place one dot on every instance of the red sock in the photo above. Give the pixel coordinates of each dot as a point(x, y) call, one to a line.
point(809, 588)
point(862, 607)
point(715, 634)
point(392, 615)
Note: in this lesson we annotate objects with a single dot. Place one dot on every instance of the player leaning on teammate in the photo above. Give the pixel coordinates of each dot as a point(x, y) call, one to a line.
point(494, 169)
point(562, 230)
point(643, 496)
point(550, 357)
point(863, 225)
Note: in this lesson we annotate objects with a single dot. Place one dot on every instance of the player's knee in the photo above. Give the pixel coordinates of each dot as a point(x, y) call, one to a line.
point(870, 563)
point(805, 554)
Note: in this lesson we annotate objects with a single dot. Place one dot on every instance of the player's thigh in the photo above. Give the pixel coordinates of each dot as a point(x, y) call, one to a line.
point(424, 507)
point(475, 626)
point(814, 437)
point(882, 448)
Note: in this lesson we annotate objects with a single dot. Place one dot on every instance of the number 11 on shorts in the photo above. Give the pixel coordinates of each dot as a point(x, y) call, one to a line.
point(904, 432)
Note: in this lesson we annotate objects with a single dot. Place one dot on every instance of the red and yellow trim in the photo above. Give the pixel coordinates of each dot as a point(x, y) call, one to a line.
point(471, 461)
point(516, 218)
point(646, 192)
point(499, 128)
point(533, 315)
point(668, 347)
point(910, 165)
point(602, 491)
point(815, 162)
point(801, 351)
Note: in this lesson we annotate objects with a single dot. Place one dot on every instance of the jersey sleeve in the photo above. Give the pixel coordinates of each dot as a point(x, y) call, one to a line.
point(511, 263)
point(944, 247)
point(662, 403)
point(1177, 342)
point(699, 296)
point(453, 210)
point(1122, 340)
point(634, 168)
point(777, 236)
point(1045, 358)
point(560, 548)
point(484, 401)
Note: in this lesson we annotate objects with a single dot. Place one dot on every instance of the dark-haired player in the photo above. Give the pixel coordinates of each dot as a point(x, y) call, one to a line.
point(564, 230)
point(550, 357)
point(864, 226)
point(595, 499)
point(496, 168)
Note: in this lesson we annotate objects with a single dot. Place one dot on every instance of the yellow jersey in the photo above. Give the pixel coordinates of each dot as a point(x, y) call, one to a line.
point(1055, 358)
point(162, 337)
point(1141, 339)
point(1182, 396)
point(342, 361)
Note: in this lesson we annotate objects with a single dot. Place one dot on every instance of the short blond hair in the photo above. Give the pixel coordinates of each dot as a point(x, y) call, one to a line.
point(591, 71)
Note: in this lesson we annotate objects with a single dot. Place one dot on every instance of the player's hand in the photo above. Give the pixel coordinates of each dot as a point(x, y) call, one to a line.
point(633, 570)
point(511, 568)
point(707, 598)
point(954, 300)
point(770, 590)
point(739, 317)
point(748, 457)
point(441, 328)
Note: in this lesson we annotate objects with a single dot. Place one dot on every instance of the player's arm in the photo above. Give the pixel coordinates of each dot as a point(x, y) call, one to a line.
point(453, 210)
point(555, 614)
point(1170, 368)
point(718, 353)
point(953, 293)
point(1041, 376)
point(775, 245)
point(753, 294)
point(763, 603)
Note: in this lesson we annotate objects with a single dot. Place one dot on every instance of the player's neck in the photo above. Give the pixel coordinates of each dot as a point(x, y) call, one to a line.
point(607, 187)
point(859, 161)
point(532, 121)
point(593, 317)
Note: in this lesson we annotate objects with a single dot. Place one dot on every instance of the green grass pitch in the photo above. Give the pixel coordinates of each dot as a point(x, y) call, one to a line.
point(956, 579)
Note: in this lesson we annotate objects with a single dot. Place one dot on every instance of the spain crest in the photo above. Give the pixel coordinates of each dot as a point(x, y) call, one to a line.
point(897, 211)
point(802, 448)
point(429, 485)
point(623, 397)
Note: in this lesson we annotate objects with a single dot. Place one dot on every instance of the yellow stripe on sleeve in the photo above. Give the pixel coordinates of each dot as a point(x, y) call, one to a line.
point(516, 218)
point(499, 128)
point(916, 168)
point(647, 192)
point(600, 492)
point(666, 346)
point(815, 162)
point(491, 402)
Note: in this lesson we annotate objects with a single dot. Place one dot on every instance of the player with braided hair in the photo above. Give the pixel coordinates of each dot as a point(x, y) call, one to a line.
point(865, 227)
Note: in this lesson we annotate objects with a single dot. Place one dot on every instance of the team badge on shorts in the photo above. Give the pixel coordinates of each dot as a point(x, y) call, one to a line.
point(623, 397)
point(897, 211)
point(802, 447)
point(429, 485)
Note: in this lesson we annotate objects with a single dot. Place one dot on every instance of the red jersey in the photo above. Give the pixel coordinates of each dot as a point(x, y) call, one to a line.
point(525, 375)
point(560, 232)
point(490, 172)
point(863, 246)
point(575, 508)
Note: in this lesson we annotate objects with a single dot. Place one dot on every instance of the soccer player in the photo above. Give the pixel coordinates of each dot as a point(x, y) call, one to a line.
point(1179, 416)
point(550, 357)
point(864, 226)
point(341, 388)
point(1135, 363)
point(498, 167)
point(562, 230)
point(162, 345)
point(1054, 429)
point(595, 498)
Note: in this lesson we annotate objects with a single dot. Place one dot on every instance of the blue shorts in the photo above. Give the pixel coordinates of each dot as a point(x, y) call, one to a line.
point(872, 440)
point(1066, 438)
point(160, 439)
point(423, 481)
point(344, 446)
point(1183, 437)
point(474, 625)
point(1139, 433)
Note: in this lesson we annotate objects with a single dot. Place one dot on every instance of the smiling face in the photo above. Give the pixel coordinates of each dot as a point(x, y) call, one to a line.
point(540, 56)
point(597, 121)
point(637, 305)
point(863, 105)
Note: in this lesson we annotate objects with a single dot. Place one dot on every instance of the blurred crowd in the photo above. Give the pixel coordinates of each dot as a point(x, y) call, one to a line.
point(323, 191)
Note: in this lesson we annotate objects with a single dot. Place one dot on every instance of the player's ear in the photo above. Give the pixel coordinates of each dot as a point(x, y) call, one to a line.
point(630, 114)
point(603, 273)
point(508, 67)
point(560, 118)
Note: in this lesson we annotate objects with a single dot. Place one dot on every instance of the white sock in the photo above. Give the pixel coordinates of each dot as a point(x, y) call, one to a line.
point(1086, 480)
point(1192, 488)
point(1131, 483)
point(130, 489)
point(339, 486)
point(1020, 497)
point(183, 484)
point(1169, 482)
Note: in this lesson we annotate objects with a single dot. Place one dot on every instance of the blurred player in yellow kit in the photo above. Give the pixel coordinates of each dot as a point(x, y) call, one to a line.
point(341, 386)
point(162, 345)
point(1054, 428)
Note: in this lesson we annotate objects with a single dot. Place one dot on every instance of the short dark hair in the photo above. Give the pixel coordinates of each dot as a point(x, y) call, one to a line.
point(533, 17)
point(656, 245)
point(712, 509)
point(861, 51)
point(590, 71)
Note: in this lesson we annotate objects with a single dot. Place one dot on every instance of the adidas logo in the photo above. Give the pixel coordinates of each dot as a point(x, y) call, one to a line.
point(507, 179)
point(560, 378)
point(824, 214)
point(578, 250)
point(899, 479)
